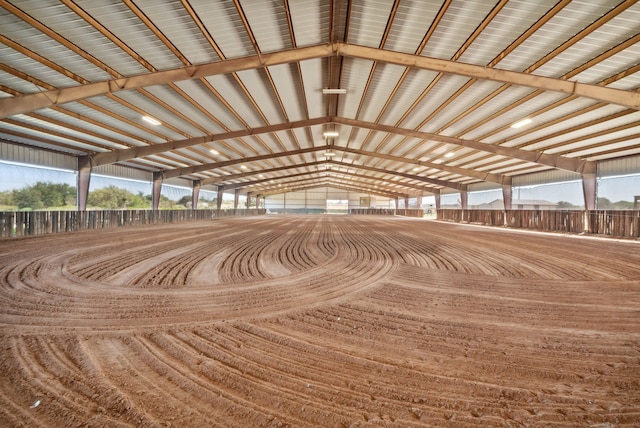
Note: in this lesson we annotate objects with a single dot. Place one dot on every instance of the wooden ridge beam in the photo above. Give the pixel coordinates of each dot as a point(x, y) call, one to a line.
point(31, 102)
point(135, 152)
point(556, 161)
point(610, 95)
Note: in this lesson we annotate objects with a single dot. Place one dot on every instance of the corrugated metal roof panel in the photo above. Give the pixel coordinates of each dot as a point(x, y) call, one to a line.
point(458, 23)
point(512, 20)
point(313, 82)
point(310, 21)
point(224, 24)
point(440, 93)
point(21, 33)
point(383, 82)
point(18, 61)
point(123, 23)
point(368, 22)
point(196, 90)
point(176, 24)
point(262, 92)
point(410, 89)
point(410, 25)
point(353, 78)
point(569, 21)
point(268, 22)
point(287, 83)
point(510, 116)
point(231, 91)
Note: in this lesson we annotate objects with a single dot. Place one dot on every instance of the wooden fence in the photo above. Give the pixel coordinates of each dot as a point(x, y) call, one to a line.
point(388, 211)
point(619, 223)
point(28, 223)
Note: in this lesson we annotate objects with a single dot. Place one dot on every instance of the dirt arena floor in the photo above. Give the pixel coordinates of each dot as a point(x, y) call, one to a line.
point(328, 321)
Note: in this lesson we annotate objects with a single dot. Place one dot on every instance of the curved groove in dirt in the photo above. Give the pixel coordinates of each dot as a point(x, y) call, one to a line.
point(319, 321)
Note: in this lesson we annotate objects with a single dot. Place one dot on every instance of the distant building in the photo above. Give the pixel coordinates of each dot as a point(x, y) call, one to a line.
point(517, 204)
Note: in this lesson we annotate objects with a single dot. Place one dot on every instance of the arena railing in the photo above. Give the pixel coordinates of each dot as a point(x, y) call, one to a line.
point(30, 223)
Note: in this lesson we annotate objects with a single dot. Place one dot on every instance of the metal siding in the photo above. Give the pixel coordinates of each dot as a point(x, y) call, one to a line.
point(551, 176)
point(628, 165)
point(33, 156)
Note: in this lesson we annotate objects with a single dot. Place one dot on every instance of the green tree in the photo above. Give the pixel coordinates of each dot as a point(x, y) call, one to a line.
point(44, 195)
point(563, 205)
point(185, 201)
point(6, 198)
point(113, 197)
point(604, 204)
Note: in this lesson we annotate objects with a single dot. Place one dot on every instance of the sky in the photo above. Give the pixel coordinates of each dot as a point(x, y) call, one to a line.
point(619, 188)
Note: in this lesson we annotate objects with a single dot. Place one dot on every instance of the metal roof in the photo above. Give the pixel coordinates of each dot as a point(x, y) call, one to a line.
point(433, 88)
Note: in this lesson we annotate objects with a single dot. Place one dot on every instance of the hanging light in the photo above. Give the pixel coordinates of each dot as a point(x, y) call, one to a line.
point(522, 123)
point(151, 120)
point(335, 91)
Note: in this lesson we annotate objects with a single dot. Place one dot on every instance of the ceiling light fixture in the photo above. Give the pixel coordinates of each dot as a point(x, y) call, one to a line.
point(214, 152)
point(329, 154)
point(522, 123)
point(243, 166)
point(448, 155)
point(336, 91)
point(328, 134)
point(151, 120)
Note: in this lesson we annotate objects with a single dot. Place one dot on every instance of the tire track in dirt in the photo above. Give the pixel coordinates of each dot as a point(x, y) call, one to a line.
point(319, 321)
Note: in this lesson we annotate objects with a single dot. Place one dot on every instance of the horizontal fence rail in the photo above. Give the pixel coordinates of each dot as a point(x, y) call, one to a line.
point(29, 223)
point(618, 223)
point(387, 211)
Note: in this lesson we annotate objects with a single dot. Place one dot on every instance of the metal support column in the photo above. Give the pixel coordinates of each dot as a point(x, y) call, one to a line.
point(249, 200)
point(236, 199)
point(195, 194)
point(589, 189)
point(84, 178)
point(507, 195)
point(220, 194)
point(157, 187)
point(464, 202)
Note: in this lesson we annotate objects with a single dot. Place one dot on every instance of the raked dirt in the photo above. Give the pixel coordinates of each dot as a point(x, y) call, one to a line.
point(328, 321)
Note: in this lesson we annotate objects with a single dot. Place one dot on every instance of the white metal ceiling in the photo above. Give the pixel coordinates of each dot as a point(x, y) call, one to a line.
point(404, 127)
